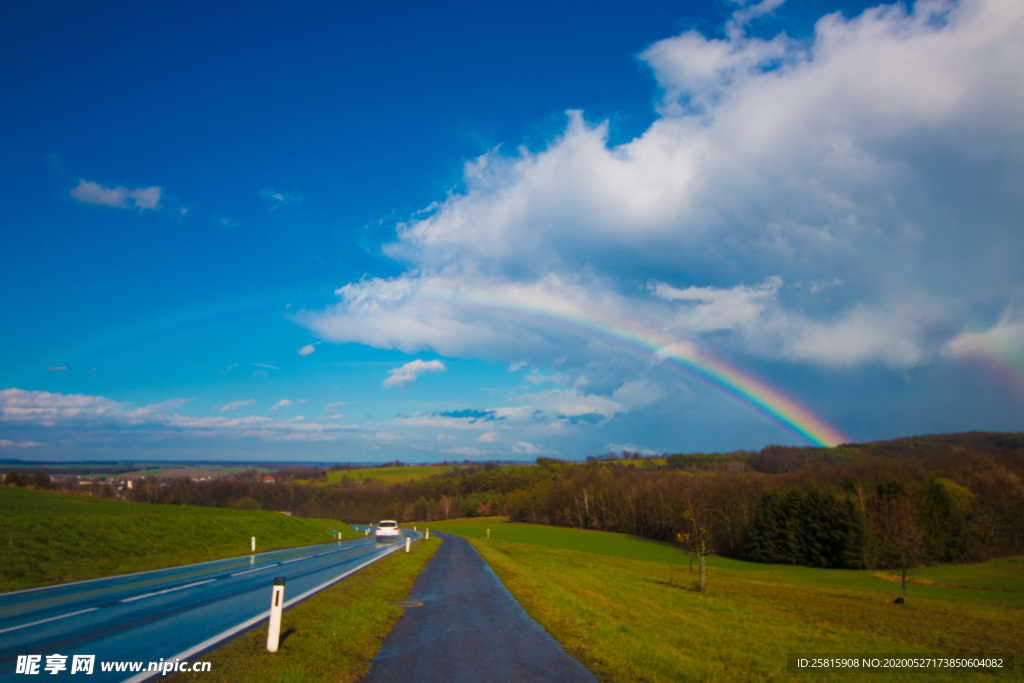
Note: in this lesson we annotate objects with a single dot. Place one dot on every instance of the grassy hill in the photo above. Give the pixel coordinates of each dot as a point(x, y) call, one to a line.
point(388, 475)
point(48, 538)
point(625, 608)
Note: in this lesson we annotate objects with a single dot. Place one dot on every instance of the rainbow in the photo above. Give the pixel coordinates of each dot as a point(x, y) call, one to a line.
point(1000, 351)
point(641, 339)
point(631, 335)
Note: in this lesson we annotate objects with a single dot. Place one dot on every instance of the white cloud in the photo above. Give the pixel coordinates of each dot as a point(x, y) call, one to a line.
point(437, 422)
point(120, 197)
point(858, 335)
point(46, 408)
point(751, 11)
point(59, 368)
point(335, 404)
point(564, 402)
point(7, 443)
point(154, 410)
point(283, 403)
point(307, 349)
point(408, 373)
point(266, 366)
point(465, 451)
point(1004, 339)
point(278, 199)
point(710, 308)
point(104, 416)
point(146, 198)
point(637, 393)
point(859, 156)
point(488, 437)
point(235, 405)
point(631, 448)
point(526, 448)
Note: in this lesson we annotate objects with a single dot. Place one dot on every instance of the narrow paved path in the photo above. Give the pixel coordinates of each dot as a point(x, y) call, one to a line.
point(469, 628)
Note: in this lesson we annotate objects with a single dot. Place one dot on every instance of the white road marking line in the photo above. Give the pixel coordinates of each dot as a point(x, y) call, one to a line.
point(258, 569)
point(154, 571)
point(209, 642)
point(298, 559)
point(167, 590)
point(43, 621)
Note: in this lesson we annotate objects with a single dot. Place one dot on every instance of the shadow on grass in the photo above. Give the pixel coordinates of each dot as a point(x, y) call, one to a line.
point(672, 584)
point(285, 634)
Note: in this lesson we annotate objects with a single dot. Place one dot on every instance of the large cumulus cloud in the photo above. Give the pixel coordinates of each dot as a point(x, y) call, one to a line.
point(851, 200)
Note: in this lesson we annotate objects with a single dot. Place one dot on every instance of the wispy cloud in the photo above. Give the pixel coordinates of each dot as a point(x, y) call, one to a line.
point(630, 448)
point(7, 443)
point(235, 405)
point(408, 373)
point(278, 199)
point(48, 408)
point(266, 366)
point(59, 368)
point(1004, 340)
point(288, 402)
point(118, 197)
point(37, 409)
point(308, 349)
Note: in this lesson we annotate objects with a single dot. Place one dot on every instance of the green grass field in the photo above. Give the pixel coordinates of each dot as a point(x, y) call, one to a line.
point(48, 538)
point(626, 609)
point(388, 475)
point(332, 636)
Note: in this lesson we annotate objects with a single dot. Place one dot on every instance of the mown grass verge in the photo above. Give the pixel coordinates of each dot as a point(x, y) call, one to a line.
point(48, 538)
point(639, 619)
point(332, 636)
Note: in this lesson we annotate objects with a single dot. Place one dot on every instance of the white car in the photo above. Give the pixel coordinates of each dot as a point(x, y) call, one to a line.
point(387, 530)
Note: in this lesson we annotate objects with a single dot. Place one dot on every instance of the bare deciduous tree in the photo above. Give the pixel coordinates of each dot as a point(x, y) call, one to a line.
point(900, 531)
point(695, 536)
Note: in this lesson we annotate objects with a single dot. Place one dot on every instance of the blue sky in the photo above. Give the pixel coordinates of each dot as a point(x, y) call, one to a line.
point(347, 232)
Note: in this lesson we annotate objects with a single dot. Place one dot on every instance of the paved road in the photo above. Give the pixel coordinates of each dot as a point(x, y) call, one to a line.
point(167, 612)
point(469, 628)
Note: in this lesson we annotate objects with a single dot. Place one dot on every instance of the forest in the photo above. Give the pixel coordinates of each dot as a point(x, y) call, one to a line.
point(887, 504)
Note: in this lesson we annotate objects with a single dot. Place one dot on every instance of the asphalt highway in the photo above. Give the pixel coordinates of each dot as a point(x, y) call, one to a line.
point(167, 613)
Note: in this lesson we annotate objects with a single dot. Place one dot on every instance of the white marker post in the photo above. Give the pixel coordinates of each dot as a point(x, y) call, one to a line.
point(488, 534)
point(407, 542)
point(428, 534)
point(252, 544)
point(276, 605)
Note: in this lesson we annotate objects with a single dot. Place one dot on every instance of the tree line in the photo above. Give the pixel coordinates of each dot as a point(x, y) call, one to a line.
point(893, 504)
